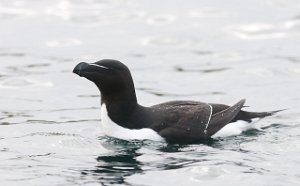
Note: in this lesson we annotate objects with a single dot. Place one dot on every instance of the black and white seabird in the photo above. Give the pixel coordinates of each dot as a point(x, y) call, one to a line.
point(174, 121)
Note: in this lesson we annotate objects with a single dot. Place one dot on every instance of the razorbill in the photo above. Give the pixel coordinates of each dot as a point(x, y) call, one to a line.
point(174, 121)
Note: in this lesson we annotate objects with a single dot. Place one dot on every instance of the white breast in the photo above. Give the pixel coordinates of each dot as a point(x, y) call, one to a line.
point(110, 128)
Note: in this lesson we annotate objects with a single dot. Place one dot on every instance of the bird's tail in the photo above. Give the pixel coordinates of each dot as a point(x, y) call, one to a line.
point(248, 116)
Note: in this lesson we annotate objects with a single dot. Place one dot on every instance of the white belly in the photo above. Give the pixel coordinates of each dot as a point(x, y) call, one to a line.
point(110, 128)
point(235, 128)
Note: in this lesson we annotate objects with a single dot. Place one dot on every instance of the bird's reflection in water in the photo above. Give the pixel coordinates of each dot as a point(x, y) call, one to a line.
point(114, 167)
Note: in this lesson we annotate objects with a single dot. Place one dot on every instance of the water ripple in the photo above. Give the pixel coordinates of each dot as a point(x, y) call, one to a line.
point(66, 42)
point(12, 54)
point(160, 93)
point(208, 12)
point(212, 70)
point(83, 13)
point(166, 41)
point(160, 20)
point(13, 13)
point(257, 31)
point(23, 82)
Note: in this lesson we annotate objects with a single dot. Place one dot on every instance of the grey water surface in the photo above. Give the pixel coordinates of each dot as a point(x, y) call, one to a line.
point(206, 50)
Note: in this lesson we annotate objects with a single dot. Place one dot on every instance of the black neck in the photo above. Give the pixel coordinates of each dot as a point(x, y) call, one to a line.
point(121, 104)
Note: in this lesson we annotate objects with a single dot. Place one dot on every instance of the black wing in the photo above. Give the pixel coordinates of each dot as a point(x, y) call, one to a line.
point(185, 120)
point(198, 122)
point(220, 119)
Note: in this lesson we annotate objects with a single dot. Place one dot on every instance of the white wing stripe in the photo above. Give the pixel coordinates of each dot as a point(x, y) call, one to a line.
point(205, 130)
